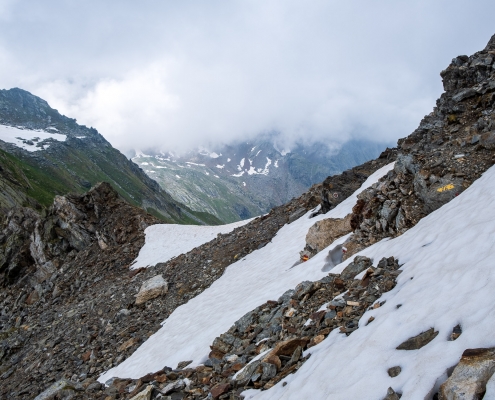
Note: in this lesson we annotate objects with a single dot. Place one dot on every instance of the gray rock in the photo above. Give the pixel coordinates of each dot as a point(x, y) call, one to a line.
point(394, 371)
point(405, 164)
point(359, 264)
point(177, 385)
point(303, 288)
point(244, 376)
point(340, 302)
point(464, 94)
point(418, 341)
point(487, 140)
point(391, 395)
point(243, 323)
point(469, 378)
point(145, 394)
point(151, 288)
point(94, 386)
point(389, 210)
point(63, 389)
point(269, 371)
point(297, 214)
point(439, 193)
point(183, 364)
point(285, 298)
point(400, 220)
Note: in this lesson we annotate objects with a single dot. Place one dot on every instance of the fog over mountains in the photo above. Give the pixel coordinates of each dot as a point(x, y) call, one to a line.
point(246, 179)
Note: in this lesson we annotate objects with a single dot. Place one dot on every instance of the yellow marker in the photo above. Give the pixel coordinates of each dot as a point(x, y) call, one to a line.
point(450, 186)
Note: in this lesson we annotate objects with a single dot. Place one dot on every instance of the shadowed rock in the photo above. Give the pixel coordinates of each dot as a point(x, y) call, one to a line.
point(418, 341)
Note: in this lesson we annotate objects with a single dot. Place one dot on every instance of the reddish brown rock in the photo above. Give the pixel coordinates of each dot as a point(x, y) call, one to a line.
point(316, 340)
point(287, 347)
point(219, 389)
point(86, 356)
point(128, 343)
point(273, 359)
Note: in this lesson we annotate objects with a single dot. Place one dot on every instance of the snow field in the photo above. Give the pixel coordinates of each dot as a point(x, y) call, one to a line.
point(263, 275)
point(166, 241)
point(10, 134)
point(448, 279)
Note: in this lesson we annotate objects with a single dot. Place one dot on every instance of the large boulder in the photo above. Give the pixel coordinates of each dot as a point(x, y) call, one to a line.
point(323, 233)
point(469, 378)
point(151, 288)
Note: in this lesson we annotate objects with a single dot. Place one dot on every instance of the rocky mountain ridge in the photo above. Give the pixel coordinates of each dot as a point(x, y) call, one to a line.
point(44, 154)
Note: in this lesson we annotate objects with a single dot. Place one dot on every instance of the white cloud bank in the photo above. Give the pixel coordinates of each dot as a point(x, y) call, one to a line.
point(177, 74)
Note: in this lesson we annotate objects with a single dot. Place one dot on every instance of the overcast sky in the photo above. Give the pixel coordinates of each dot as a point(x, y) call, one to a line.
point(172, 74)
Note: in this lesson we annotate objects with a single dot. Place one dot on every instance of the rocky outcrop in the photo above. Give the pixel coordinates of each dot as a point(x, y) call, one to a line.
point(51, 267)
point(15, 254)
point(450, 149)
point(266, 345)
point(469, 378)
point(337, 188)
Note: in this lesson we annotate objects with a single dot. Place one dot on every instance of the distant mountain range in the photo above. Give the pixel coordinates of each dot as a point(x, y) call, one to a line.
point(246, 179)
point(43, 154)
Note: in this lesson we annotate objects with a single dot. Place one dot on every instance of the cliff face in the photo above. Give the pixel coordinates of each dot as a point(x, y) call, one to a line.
point(34, 246)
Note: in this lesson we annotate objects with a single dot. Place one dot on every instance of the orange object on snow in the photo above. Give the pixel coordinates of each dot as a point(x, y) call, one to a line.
point(305, 258)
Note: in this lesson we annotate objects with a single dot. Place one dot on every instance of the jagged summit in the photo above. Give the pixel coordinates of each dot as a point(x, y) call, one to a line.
point(491, 44)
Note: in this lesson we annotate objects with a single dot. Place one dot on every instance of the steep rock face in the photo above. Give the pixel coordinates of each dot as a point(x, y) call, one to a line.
point(451, 148)
point(31, 243)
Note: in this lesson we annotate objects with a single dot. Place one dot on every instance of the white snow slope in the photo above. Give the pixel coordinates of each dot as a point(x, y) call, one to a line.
point(263, 275)
point(448, 279)
point(19, 136)
point(166, 241)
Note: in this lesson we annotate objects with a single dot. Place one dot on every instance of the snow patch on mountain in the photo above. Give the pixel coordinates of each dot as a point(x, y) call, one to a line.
point(262, 275)
point(166, 241)
point(28, 139)
point(437, 289)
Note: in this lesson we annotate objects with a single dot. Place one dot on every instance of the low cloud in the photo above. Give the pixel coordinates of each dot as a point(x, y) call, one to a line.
point(176, 75)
